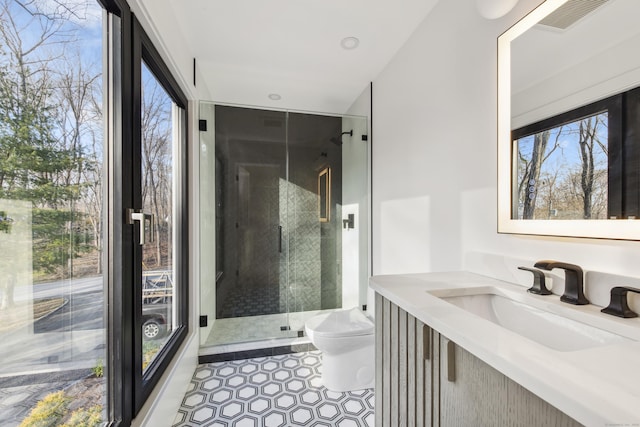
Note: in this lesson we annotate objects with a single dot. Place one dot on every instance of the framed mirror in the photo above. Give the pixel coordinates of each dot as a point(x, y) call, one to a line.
point(569, 121)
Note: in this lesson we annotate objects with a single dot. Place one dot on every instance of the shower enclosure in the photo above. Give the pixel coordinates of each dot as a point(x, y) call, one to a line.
point(283, 219)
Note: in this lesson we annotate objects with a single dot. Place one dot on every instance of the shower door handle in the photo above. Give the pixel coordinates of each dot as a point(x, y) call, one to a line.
point(280, 238)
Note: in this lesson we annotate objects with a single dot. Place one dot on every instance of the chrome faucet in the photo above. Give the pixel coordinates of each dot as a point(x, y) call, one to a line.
point(573, 281)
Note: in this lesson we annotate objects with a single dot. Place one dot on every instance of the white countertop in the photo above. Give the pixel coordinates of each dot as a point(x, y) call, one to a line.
point(597, 386)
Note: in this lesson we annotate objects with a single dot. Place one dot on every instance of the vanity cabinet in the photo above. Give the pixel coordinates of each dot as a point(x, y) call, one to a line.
point(424, 379)
point(404, 368)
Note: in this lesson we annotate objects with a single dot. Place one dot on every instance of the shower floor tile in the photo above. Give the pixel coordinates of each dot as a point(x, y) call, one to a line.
point(271, 391)
point(250, 301)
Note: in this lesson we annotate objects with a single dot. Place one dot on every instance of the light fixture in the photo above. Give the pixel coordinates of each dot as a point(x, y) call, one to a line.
point(274, 97)
point(349, 43)
point(494, 9)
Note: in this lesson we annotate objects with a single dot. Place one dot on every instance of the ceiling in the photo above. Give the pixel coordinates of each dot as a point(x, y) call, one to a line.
point(542, 52)
point(248, 49)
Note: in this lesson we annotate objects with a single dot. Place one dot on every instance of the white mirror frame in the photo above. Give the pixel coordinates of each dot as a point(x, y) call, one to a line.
point(599, 229)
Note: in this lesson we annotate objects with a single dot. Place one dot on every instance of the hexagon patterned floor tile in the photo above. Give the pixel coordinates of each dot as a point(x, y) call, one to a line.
point(271, 392)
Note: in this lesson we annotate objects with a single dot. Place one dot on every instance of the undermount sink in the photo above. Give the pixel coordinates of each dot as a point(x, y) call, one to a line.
point(549, 329)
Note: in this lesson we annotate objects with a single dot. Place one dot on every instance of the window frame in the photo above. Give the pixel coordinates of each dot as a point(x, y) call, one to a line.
point(125, 46)
point(143, 50)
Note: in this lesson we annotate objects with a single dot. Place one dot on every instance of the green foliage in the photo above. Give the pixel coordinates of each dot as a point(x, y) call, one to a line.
point(37, 163)
point(98, 370)
point(149, 351)
point(56, 238)
point(5, 222)
point(48, 412)
point(51, 411)
point(91, 417)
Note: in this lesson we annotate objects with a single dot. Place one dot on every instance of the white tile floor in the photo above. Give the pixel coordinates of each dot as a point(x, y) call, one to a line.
point(271, 391)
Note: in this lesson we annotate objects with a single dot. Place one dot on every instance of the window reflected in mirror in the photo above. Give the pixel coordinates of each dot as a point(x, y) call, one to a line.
point(562, 172)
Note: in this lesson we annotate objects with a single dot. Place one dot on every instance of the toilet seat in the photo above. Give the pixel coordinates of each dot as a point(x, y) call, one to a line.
point(340, 323)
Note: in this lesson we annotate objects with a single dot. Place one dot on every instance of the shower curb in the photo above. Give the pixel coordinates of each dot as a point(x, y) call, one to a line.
point(260, 352)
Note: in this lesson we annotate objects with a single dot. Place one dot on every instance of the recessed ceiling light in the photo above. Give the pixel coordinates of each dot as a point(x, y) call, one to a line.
point(274, 97)
point(349, 43)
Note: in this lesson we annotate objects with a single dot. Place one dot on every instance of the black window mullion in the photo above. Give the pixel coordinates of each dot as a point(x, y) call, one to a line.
point(631, 157)
point(128, 200)
point(616, 155)
point(136, 272)
point(118, 89)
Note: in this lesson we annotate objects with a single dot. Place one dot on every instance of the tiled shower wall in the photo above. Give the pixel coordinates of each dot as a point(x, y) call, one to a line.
point(301, 290)
point(314, 247)
point(257, 225)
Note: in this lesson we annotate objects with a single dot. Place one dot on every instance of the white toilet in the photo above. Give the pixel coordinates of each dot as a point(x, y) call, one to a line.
point(346, 340)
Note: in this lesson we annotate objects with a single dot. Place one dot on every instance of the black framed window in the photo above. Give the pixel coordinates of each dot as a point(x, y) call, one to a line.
point(93, 206)
point(160, 187)
point(147, 204)
point(581, 164)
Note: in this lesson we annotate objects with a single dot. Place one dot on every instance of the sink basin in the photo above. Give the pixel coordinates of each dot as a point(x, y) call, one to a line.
point(511, 312)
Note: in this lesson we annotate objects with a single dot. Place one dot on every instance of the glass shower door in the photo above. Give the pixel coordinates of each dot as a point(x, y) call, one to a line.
point(285, 183)
point(314, 187)
point(251, 270)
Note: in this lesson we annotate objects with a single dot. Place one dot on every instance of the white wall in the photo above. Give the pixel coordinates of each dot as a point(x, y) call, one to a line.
point(434, 158)
point(180, 61)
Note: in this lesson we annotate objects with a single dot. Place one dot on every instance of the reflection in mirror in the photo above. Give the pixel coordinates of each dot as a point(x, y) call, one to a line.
point(562, 155)
point(561, 173)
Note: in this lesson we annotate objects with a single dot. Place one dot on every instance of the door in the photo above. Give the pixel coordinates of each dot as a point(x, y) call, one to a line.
point(251, 212)
point(155, 213)
point(277, 253)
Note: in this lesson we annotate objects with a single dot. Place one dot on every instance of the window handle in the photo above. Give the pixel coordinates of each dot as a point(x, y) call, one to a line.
point(134, 215)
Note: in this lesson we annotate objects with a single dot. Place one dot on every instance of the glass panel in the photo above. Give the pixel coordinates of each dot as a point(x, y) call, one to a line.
point(281, 201)
point(248, 283)
point(328, 214)
point(51, 167)
point(355, 210)
point(562, 173)
point(315, 250)
point(160, 136)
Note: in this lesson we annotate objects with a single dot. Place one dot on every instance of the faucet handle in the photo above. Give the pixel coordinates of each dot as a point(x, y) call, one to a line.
point(539, 286)
point(618, 305)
